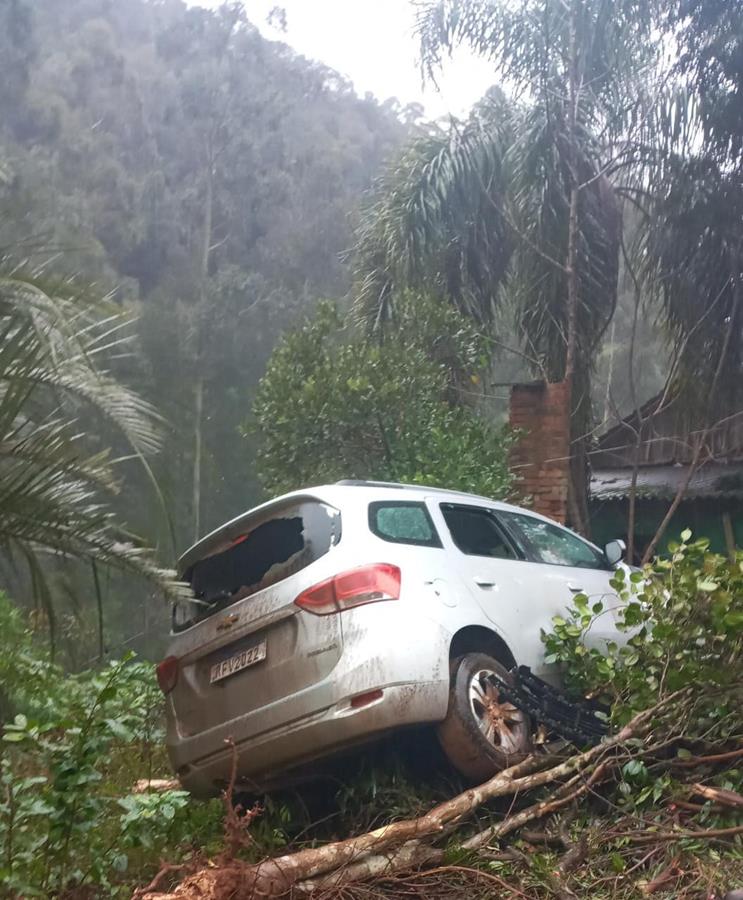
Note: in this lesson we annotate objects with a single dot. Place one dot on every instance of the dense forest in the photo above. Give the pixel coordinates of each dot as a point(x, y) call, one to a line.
point(205, 180)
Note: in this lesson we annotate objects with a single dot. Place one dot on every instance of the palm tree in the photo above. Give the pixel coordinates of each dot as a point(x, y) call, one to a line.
point(519, 205)
point(55, 396)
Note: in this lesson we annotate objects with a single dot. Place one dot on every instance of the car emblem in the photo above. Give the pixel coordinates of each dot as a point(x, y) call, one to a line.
point(228, 622)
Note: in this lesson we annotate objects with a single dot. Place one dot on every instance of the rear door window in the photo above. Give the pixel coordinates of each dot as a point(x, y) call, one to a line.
point(403, 522)
point(268, 552)
point(476, 532)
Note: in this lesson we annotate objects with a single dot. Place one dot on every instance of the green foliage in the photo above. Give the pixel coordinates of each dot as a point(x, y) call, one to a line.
point(123, 124)
point(682, 617)
point(710, 42)
point(56, 401)
point(28, 680)
point(333, 404)
point(69, 758)
point(511, 168)
point(694, 249)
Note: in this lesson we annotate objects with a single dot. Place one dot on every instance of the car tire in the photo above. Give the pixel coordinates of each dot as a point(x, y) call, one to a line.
point(482, 733)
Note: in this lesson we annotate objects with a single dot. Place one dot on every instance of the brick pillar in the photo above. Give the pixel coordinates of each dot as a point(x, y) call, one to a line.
point(539, 458)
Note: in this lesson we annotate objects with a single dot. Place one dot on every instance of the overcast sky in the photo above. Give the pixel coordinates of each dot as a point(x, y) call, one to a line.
point(372, 42)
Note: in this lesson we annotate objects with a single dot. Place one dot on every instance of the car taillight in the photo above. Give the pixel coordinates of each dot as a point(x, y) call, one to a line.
point(367, 584)
point(167, 674)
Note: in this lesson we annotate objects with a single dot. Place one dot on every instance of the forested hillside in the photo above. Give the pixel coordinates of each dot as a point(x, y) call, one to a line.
point(207, 180)
point(204, 176)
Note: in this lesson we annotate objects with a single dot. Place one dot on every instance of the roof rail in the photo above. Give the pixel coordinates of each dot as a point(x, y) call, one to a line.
point(359, 482)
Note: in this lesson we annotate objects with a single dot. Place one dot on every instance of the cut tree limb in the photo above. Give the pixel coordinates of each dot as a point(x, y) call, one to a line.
point(401, 844)
point(411, 855)
point(576, 787)
point(155, 785)
point(718, 795)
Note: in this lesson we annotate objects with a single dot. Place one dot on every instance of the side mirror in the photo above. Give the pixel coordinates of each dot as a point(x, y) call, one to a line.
point(614, 552)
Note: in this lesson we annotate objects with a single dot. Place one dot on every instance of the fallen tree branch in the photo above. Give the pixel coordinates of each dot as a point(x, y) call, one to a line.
point(695, 761)
point(653, 836)
point(411, 855)
point(358, 858)
point(155, 785)
point(165, 870)
point(718, 795)
point(576, 787)
point(475, 873)
point(670, 875)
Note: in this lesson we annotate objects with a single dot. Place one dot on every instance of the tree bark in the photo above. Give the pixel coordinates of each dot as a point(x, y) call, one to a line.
point(402, 844)
point(577, 468)
point(197, 451)
point(198, 361)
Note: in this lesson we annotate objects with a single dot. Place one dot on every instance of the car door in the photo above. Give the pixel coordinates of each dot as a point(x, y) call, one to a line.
point(565, 565)
point(508, 589)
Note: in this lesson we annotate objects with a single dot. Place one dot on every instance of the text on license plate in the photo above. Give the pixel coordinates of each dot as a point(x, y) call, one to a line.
point(238, 661)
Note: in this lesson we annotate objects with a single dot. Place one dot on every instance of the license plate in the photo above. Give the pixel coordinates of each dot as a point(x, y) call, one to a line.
point(237, 662)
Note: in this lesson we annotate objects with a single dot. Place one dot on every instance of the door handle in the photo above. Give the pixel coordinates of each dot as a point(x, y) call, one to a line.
point(484, 582)
point(575, 588)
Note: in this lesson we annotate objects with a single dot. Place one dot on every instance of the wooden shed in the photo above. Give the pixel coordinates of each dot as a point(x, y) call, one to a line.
point(669, 439)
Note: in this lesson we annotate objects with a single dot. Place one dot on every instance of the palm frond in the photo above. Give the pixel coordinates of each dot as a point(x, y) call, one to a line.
point(55, 477)
point(436, 219)
point(528, 44)
point(694, 254)
point(71, 332)
point(539, 206)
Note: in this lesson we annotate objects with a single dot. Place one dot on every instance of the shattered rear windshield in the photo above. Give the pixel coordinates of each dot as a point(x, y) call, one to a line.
point(270, 551)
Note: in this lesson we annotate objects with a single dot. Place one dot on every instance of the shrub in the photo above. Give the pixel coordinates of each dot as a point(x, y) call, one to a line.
point(69, 758)
point(335, 404)
point(683, 618)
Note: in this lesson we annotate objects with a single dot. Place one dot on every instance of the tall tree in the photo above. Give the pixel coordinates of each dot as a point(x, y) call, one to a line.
point(543, 168)
point(691, 247)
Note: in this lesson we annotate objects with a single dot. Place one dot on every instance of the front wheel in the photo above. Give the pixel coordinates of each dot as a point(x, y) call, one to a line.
point(482, 732)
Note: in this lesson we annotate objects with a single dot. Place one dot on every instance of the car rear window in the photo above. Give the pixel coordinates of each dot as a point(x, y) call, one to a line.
point(403, 522)
point(270, 550)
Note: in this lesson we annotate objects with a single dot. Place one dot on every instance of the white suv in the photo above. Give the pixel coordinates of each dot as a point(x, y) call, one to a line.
point(332, 615)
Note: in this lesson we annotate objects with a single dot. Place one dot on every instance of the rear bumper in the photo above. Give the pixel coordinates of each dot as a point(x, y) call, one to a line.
point(267, 758)
point(386, 647)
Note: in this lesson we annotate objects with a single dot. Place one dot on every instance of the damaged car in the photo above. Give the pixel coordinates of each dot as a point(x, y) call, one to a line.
point(331, 616)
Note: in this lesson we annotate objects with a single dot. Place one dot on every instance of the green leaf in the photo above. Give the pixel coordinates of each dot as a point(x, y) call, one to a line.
point(707, 585)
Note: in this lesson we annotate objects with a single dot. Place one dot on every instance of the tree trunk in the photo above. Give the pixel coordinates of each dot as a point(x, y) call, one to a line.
point(197, 451)
point(198, 356)
point(577, 494)
point(572, 277)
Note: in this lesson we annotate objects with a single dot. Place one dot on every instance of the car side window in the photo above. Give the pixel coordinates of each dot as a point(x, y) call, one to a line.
point(403, 523)
point(475, 532)
point(553, 545)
